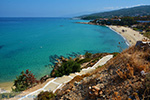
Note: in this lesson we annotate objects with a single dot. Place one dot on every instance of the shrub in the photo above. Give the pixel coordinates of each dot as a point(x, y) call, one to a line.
point(115, 54)
point(24, 81)
point(88, 55)
point(67, 67)
point(135, 29)
point(84, 60)
point(8, 95)
point(147, 83)
point(46, 96)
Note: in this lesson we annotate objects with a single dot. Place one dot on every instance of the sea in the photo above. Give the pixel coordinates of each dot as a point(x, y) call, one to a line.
point(32, 43)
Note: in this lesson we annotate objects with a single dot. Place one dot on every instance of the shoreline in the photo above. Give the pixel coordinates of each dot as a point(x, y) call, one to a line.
point(6, 87)
point(129, 35)
point(54, 84)
point(127, 42)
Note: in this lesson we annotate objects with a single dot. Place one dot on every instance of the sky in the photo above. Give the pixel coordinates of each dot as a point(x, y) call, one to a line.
point(62, 8)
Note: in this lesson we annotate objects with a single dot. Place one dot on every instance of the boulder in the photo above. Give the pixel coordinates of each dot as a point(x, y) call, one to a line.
point(143, 44)
point(138, 44)
point(44, 78)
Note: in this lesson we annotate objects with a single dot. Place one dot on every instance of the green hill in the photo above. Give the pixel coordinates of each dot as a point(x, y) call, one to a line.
point(134, 11)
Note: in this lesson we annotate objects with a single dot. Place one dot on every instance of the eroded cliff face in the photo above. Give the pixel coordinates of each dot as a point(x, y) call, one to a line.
point(125, 77)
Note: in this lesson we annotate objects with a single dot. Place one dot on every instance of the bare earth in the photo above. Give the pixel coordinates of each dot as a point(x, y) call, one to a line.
point(129, 34)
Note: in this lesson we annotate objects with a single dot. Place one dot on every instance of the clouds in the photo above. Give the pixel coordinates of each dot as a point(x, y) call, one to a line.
point(134, 6)
point(116, 8)
point(111, 8)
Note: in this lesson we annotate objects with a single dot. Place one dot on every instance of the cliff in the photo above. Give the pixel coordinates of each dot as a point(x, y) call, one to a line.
point(125, 77)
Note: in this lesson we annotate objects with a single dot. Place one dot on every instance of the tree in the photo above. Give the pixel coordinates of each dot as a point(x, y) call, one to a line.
point(24, 81)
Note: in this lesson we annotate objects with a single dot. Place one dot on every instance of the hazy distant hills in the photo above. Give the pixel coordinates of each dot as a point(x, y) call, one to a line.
point(134, 11)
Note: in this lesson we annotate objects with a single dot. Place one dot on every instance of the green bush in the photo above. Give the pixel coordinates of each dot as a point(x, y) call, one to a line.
point(136, 29)
point(84, 60)
point(46, 96)
point(67, 67)
point(8, 95)
point(147, 34)
point(115, 54)
point(96, 59)
point(88, 55)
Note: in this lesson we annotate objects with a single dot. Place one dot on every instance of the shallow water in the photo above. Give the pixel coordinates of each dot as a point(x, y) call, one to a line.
point(28, 43)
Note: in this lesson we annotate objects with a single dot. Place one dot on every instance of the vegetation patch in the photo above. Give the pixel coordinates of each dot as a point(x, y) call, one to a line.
point(8, 95)
point(119, 79)
point(66, 68)
point(46, 96)
point(24, 81)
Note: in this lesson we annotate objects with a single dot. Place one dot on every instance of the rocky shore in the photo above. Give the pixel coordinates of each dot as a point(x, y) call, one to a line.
point(125, 77)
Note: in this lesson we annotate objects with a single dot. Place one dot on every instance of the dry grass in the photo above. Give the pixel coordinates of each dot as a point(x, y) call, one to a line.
point(79, 78)
point(139, 59)
point(123, 68)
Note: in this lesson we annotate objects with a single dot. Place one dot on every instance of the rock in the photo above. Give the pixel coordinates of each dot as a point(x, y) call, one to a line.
point(143, 44)
point(73, 89)
point(66, 59)
point(62, 58)
point(96, 88)
point(93, 90)
point(67, 90)
point(101, 92)
point(70, 57)
point(76, 83)
point(96, 93)
point(128, 93)
point(90, 87)
point(44, 78)
point(81, 57)
point(143, 73)
point(142, 79)
point(101, 86)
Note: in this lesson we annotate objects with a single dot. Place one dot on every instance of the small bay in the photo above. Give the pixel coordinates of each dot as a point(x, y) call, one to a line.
point(28, 43)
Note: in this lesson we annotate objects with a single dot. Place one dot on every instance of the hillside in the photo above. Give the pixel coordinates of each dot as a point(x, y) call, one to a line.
point(125, 77)
point(134, 11)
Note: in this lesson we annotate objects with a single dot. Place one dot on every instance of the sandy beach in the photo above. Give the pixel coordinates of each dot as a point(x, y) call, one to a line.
point(6, 86)
point(129, 34)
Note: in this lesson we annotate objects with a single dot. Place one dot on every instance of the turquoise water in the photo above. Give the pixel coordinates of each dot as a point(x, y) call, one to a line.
point(28, 43)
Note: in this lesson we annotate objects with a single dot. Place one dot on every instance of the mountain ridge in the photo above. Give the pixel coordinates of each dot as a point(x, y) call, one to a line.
point(133, 11)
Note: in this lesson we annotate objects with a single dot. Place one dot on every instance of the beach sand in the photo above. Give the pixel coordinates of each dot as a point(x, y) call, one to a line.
point(6, 86)
point(129, 34)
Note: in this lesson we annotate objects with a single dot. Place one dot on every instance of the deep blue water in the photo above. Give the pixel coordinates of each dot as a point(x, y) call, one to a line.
point(27, 43)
